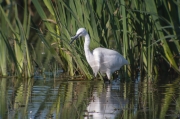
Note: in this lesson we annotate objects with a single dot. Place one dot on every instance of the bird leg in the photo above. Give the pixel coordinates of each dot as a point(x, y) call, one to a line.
point(105, 79)
point(94, 77)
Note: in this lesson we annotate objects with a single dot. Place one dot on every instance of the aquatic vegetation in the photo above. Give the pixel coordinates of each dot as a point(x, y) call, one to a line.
point(142, 33)
point(145, 32)
point(14, 34)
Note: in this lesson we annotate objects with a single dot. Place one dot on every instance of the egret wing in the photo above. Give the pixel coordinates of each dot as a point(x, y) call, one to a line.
point(109, 60)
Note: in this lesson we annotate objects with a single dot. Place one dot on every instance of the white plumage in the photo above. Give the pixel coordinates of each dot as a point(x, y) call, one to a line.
point(101, 59)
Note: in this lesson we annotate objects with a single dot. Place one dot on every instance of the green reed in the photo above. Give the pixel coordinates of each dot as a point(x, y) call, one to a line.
point(14, 34)
point(144, 32)
point(136, 27)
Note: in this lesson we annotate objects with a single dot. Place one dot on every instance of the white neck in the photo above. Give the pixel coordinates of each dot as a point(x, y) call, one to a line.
point(88, 53)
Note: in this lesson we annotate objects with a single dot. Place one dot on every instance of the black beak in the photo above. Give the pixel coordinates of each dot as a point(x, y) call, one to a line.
point(74, 38)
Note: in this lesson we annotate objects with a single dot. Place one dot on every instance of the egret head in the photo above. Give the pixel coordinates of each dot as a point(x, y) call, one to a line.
point(80, 32)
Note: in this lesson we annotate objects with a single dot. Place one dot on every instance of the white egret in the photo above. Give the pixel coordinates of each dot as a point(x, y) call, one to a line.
point(100, 59)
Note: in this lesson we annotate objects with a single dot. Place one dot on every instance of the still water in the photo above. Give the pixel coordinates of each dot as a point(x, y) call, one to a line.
point(82, 99)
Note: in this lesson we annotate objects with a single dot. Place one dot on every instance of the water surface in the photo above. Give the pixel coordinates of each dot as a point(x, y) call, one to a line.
point(83, 99)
